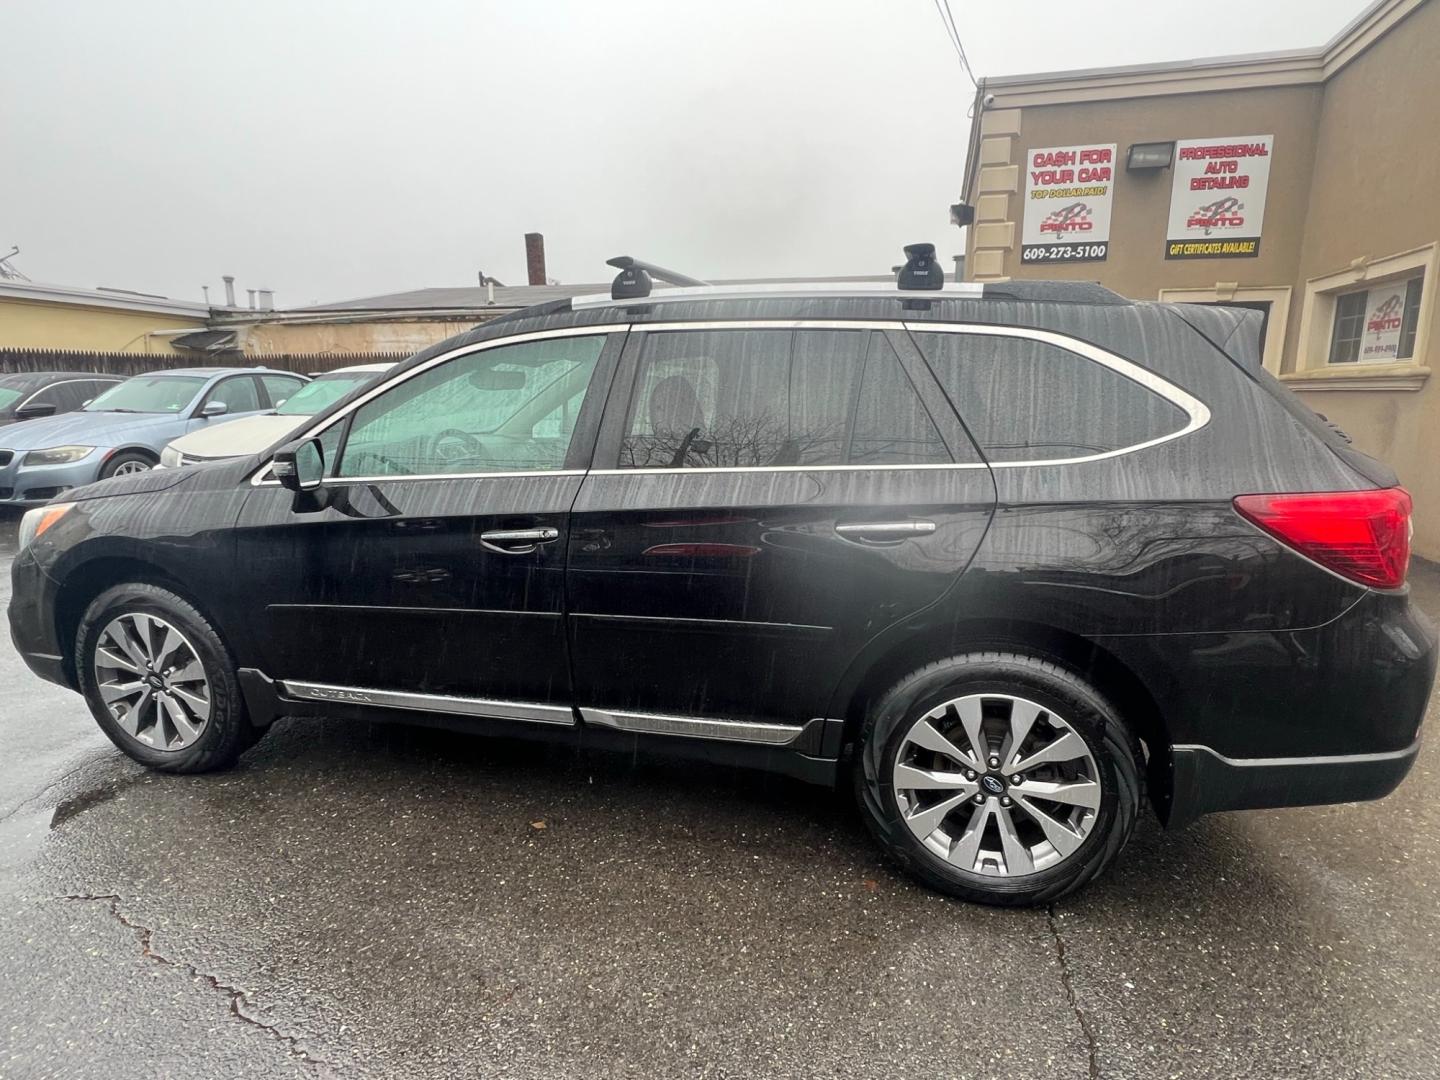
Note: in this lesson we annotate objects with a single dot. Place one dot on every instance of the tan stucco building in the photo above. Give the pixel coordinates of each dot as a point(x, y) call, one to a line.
point(34, 316)
point(1337, 245)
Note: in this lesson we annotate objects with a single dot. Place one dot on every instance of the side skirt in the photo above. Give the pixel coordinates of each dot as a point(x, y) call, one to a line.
point(778, 748)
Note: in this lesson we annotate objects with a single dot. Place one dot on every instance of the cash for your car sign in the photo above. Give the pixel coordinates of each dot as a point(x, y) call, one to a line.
point(1217, 197)
point(1067, 204)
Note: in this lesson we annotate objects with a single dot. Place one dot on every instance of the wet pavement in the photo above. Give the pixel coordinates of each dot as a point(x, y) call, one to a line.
point(357, 900)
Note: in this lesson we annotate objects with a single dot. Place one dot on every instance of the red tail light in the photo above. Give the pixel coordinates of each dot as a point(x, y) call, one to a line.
point(1361, 535)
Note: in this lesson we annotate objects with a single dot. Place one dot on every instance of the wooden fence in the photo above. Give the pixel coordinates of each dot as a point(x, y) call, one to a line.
point(114, 363)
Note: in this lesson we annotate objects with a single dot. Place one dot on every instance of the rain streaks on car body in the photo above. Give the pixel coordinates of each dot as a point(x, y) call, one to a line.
point(1009, 559)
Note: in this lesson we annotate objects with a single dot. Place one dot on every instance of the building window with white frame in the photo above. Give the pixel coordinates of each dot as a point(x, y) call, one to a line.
point(1377, 325)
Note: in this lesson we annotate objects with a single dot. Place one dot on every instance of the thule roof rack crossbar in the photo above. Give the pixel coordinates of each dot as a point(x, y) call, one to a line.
point(634, 280)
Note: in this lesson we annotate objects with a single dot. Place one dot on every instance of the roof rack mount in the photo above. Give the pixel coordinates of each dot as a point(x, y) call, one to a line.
point(635, 278)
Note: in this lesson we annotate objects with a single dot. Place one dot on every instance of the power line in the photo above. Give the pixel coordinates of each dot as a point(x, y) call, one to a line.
point(947, 18)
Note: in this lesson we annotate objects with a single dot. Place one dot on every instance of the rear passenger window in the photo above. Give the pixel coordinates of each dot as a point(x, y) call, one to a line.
point(774, 398)
point(1028, 400)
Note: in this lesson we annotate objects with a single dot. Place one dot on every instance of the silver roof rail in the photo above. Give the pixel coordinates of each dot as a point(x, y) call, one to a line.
point(800, 290)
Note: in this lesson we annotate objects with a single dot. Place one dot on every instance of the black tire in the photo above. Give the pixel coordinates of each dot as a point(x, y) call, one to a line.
point(227, 732)
point(125, 457)
point(1114, 749)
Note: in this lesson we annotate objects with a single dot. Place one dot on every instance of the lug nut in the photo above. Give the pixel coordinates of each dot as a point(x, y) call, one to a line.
point(1005, 800)
point(979, 800)
point(994, 761)
point(970, 774)
point(1017, 779)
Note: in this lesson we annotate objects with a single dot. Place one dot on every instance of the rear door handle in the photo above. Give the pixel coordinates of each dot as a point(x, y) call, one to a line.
point(883, 532)
point(518, 541)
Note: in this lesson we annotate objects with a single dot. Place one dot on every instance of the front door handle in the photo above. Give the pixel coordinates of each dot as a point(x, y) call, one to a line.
point(883, 532)
point(518, 541)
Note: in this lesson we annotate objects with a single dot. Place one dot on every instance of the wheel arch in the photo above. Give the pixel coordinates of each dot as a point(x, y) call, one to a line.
point(1084, 658)
point(87, 581)
point(134, 448)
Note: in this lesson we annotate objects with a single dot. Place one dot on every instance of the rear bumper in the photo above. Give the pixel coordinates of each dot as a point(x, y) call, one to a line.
point(1205, 781)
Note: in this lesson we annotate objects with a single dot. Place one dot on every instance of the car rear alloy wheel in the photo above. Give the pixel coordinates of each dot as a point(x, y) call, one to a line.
point(152, 681)
point(995, 784)
point(999, 777)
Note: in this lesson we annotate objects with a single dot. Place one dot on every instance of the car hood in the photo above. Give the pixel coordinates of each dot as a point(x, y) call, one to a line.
point(248, 435)
point(133, 484)
point(85, 429)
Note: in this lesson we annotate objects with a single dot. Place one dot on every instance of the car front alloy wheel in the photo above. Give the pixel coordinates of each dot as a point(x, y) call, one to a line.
point(152, 681)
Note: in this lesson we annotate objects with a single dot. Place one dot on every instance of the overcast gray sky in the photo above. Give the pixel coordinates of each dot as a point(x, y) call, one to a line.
point(338, 149)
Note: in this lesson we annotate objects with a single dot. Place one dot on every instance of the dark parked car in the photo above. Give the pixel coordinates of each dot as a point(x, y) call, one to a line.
point(1011, 559)
point(32, 394)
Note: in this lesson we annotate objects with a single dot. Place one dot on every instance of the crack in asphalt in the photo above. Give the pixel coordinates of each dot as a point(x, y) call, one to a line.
point(1069, 985)
point(239, 1002)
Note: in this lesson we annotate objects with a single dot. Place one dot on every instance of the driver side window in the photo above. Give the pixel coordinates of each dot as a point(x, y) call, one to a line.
point(510, 408)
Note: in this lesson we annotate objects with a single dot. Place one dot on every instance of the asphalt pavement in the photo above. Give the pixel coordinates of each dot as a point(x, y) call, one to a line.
point(373, 900)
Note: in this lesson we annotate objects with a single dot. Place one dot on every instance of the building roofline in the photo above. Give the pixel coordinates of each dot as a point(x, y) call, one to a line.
point(1283, 68)
point(1246, 71)
point(100, 298)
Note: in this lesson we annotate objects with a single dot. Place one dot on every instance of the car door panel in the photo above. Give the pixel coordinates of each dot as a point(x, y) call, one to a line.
point(392, 587)
point(742, 593)
point(431, 584)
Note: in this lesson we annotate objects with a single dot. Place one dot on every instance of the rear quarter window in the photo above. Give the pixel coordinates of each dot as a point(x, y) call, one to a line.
point(1027, 400)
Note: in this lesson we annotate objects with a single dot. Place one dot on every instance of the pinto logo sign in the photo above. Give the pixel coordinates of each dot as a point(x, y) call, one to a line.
point(1384, 314)
point(1067, 203)
point(1237, 169)
point(1221, 214)
point(1077, 217)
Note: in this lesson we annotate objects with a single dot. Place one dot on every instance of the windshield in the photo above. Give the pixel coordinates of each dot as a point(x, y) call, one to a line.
point(323, 392)
point(149, 394)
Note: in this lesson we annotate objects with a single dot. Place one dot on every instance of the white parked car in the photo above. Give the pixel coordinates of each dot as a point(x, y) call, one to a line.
point(254, 433)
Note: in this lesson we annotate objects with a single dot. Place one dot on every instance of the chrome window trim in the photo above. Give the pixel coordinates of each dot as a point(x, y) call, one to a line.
point(258, 477)
point(532, 712)
point(1195, 409)
point(692, 727)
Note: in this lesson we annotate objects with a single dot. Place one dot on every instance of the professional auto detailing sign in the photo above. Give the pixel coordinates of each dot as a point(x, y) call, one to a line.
point(1217, 197)
point(1384, 312)
point(1067, 204)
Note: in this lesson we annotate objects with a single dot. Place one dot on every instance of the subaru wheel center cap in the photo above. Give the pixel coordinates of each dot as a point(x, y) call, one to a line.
point(993, 784)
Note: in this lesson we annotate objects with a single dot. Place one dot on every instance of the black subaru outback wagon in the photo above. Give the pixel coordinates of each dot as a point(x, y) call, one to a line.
point(1012, 559)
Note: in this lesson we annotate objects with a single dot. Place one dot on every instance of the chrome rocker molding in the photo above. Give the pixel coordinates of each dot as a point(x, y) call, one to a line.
point(434, 703)
point(741, 731)
point(693, 727)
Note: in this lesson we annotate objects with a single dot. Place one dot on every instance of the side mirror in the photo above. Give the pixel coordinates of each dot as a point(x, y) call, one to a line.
point(214, 408)
point(300, 465)
point(29, 412)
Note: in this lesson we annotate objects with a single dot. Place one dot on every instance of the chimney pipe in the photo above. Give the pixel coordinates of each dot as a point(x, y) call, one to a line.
point(206, 290)
point(535, 257)
point(229, 280)
point(252, 298)
point(267, 299)
point(489, 291)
